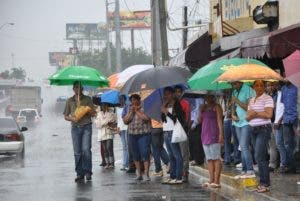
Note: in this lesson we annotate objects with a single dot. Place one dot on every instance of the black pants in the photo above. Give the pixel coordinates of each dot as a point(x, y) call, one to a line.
point(195, 145)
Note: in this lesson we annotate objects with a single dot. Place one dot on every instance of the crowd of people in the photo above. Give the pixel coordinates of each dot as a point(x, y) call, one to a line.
point(247, 126)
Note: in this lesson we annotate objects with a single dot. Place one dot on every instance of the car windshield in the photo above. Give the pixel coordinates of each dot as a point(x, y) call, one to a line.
point(28, 113)
point(7, 124)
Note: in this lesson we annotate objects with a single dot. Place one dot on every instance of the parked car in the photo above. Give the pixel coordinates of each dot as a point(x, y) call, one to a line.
point(28, 116)
point(11, 137)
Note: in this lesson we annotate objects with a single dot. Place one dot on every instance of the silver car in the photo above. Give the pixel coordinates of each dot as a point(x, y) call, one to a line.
point(11, 137)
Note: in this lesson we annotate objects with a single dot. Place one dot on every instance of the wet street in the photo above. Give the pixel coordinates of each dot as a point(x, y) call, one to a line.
point(47, 172)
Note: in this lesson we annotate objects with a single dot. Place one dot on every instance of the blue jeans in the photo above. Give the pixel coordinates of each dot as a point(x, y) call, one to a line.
point(158, 150)
point(280, 146)
point(176, 161)
point(289, 132)
point(244, 136)
point(229, 132)
point(140, 144)
point(82, 144)
point(261, 137)
point(123, 136)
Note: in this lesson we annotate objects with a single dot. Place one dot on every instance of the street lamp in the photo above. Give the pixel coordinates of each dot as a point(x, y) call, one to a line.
point(8, 23)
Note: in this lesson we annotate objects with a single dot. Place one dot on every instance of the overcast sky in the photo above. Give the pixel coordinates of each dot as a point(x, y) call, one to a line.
point(40, 28)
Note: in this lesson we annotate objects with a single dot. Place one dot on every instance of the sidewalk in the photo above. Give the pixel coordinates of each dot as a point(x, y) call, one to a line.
point(284, 187)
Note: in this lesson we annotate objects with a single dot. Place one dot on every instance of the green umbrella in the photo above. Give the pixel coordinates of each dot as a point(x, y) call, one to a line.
point(85, 75)
point(204, 78)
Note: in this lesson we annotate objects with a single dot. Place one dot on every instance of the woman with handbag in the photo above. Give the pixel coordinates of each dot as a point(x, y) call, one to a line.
point(211, 117)
point(105, 122)
point(172, 113)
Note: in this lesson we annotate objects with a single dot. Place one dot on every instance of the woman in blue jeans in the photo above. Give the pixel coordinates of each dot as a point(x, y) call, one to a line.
point(259, 114)
point(172, 112)
point(139, 135)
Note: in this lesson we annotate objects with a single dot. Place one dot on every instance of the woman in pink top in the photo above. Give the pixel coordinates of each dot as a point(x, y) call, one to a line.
point(259, 114)
point(211, 117)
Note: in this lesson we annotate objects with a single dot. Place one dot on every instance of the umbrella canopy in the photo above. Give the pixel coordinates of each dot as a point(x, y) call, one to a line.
point(248, 73)
point(204, 78)
point(85, 75)
point(110, 97)
point(155, 78)
point(113, 79)
point(292, 68)
point(126, 74)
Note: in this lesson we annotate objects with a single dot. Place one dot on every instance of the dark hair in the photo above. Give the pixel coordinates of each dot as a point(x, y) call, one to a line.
point(135, 96)
point(178, 87)
point(77, 83)
point(169, 89)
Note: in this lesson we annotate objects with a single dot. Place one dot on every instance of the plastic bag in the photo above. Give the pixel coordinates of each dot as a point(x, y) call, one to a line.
point(81, 111)
point(179, 134)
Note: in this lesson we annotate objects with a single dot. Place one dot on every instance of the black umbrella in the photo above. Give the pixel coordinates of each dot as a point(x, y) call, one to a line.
point(155, 78)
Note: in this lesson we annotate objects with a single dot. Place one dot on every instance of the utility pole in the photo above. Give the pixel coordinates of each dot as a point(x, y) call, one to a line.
point(107, 40)
point(132, 39)
point(118, 37)
point(184, 24)
point(12, 60)
point(159, 39)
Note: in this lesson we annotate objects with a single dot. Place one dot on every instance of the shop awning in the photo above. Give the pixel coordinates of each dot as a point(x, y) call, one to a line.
point(276, 44)
point(195, 55)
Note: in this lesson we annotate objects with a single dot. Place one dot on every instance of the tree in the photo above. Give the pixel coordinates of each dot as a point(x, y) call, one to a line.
point(99, 60)
point(4, 74)
point(16, 73)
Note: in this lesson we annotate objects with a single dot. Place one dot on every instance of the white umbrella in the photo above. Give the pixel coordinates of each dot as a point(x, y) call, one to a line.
point(129, 72)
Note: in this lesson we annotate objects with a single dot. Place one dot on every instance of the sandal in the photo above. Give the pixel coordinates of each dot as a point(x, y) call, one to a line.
point(206, 184)
point(214, 185)
point(262, 189)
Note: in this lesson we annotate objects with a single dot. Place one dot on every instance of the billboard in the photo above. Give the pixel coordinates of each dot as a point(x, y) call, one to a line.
point(60, 58)
point(85, 31)
point(133, 20)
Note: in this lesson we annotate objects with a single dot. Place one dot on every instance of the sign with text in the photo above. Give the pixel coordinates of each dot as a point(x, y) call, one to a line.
point(85, 31)
point(133, 20)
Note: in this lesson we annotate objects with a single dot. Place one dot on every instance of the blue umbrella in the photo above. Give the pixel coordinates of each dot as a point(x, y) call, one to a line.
point(153, 103)
point(111, 97)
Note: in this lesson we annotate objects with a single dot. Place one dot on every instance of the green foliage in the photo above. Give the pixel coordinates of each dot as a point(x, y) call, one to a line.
point(99, 60)
point(16, 73)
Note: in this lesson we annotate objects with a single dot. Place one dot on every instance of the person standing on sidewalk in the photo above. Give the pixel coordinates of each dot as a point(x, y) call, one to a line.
point(139, 135)
point(122, 128)
point(81, 131)
point(240, 98)
point(212, 138)
point(278, 128)
point(104, 122)
point(172, 112)
point(184, 146)
point(290, 122)
point(259, 114)
point(157, 144)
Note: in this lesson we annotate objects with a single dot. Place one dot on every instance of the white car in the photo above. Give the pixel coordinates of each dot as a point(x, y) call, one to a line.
point(11, 137)
point(28, 116)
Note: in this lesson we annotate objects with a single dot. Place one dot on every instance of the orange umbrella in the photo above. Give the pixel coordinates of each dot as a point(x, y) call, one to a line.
point(248, 73)
point(113, 79)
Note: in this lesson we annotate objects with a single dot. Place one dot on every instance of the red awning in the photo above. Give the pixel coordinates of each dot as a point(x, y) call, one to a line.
point(277, 44)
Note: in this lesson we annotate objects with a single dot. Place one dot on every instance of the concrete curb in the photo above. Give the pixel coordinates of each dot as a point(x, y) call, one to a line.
point(235, 189)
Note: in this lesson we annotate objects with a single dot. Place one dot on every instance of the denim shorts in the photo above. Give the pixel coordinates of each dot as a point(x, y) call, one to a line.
point(212, 151)
point(140, 145)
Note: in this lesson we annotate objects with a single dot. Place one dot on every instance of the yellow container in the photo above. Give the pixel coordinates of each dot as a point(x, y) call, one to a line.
point(81, 111)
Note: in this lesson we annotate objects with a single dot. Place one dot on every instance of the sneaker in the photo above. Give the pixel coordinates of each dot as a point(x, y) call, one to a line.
point(248, 175)
point(88, 176)
point(130, 170)
point(102, 164)
point(185, 179)
point(179, 181)
point(172, 181)
point(148, 178)
point(239, 176)
point(139, 178)
point(123, 169)
point(106, 167)
point(226, 163)
point(165, 181)
point(168, 169)
point(158, 174)
point(282, 169)
point(79, 178)
point(240, 165)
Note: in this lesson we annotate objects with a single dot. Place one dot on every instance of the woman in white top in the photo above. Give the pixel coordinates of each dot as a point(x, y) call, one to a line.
point(106, 124)
point(259, 114)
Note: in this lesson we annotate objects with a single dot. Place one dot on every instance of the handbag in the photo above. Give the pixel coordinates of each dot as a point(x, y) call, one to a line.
point(179, 134)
